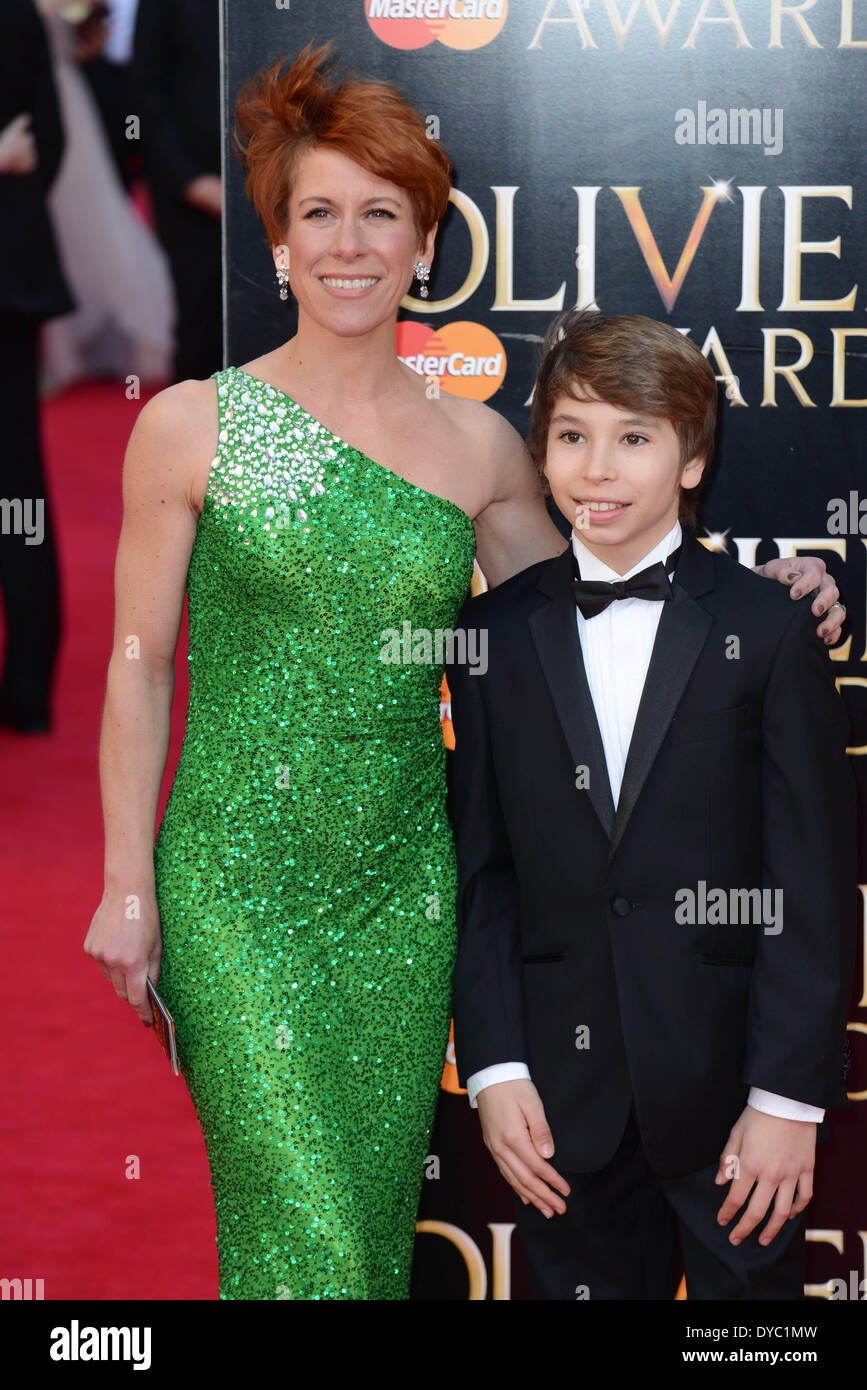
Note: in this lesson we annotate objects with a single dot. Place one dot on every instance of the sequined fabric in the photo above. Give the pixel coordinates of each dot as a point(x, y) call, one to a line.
point(304, 866)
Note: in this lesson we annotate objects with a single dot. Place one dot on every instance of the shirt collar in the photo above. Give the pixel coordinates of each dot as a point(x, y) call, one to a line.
point(593, 568)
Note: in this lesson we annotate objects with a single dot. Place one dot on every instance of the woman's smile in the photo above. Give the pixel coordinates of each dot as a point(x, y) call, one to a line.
point(349, 286)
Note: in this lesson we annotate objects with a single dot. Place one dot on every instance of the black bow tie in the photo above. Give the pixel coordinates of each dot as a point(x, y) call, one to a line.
point(594, 595)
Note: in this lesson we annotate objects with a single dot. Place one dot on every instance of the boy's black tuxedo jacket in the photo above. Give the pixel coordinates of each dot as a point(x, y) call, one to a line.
point(736, 775)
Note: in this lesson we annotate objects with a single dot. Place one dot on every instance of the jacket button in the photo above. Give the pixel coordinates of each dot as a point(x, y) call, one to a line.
point(621, 907)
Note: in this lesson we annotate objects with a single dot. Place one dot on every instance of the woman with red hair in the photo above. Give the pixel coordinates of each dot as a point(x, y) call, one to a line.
point(300, 898)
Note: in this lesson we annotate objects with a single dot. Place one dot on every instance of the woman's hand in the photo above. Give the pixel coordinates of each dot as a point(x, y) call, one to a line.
point(805, 574)
point(18, 147)
point(127, 948)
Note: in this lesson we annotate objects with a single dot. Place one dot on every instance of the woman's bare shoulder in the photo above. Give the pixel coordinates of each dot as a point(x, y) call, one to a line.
point(175, 437)
point(480, 419)
point(188, 407)
point(497, 447)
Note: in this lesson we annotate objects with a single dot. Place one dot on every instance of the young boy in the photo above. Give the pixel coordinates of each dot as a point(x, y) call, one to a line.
point(655, 828)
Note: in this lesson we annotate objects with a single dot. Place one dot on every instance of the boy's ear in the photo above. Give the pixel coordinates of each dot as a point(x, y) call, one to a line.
point(691, 472)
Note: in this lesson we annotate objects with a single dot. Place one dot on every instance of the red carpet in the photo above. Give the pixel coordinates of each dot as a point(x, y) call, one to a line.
point(85, 1087)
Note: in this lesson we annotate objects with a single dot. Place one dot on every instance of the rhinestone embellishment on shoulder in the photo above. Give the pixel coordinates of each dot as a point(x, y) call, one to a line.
point(272, 456)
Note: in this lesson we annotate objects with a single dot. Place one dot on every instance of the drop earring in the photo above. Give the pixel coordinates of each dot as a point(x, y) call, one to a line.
point(283, 281)
point(422, 274)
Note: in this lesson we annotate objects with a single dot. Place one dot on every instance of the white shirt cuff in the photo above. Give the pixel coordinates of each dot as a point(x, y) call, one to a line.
point(784, 1108)
point(489, 1076)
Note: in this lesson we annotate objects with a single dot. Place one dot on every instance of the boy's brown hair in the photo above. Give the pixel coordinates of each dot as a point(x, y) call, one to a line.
point(634, 362)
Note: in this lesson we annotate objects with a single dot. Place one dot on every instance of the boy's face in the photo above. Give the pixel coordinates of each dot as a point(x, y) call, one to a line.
point(616, 475)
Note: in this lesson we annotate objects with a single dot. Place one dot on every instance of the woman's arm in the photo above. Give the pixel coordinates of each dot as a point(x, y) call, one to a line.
point(174, 432)
point(514, 530)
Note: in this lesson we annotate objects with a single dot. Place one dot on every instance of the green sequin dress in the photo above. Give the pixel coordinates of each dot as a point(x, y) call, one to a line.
point(305, 870)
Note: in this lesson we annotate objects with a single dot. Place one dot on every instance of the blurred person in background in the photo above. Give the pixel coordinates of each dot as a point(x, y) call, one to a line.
point(117, 269)
point(32, 289)
point(108, 72)
point(176, 91)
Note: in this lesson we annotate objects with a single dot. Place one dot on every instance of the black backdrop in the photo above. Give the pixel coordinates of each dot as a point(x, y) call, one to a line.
point(551, 108)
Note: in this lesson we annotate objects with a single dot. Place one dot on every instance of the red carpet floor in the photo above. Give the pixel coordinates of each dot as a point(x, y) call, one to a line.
point(84, 1086)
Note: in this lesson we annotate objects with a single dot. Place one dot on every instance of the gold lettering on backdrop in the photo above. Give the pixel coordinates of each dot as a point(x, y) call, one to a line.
point(505, 200)
point(840, 335)
point(621, 27)
point(501, 1237)
point(746, 548)
point(846, 39)
point(772, 370)
point(862, 889)
point(831, 1287)
point(471, 1253)
point(795, 12)
point(669, 287)
point(819, 1237)
point(751, 225)
point(575, 17)
point(853, 1027)
point(501, 1284)
point(794, 248)
point(849, 643)
point(585, 259)
point(731, 17)
point(859, 681)
point(713, 347)
point(501, 1233)
point(480, 251)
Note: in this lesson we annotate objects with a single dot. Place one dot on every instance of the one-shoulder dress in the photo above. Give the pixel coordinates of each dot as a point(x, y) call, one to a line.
point(305, 868)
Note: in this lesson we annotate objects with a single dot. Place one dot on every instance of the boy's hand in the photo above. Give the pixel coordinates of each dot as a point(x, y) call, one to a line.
point(516, 1133)
point(778, 1157)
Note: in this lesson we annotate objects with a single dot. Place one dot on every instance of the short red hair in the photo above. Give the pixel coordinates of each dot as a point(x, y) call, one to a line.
point(281, 115)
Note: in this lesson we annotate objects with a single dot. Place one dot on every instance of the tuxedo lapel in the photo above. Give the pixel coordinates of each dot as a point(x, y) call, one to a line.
point(680, 636)
point(554, 629)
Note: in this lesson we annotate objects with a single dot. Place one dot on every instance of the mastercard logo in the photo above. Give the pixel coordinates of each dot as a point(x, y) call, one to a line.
point(466, 358)
point(456, 23)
